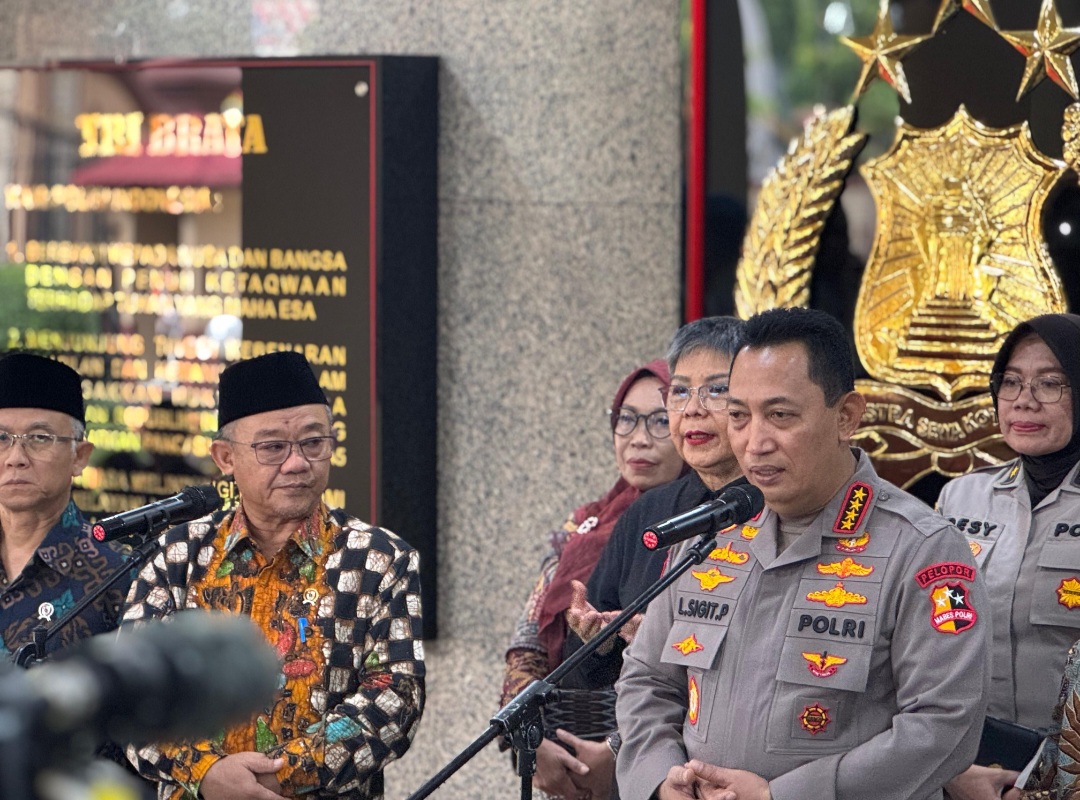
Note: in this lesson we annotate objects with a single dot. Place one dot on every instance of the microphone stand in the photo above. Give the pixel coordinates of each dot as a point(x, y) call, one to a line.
point(520, 721)
point(34, 650)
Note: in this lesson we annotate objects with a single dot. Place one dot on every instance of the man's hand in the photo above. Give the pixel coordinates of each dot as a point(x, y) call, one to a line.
point(681, 784)
point(242, 776)
point(702, 781)
point(600, 778)
point(556, 770)
point(721, 783)
point(980, 783)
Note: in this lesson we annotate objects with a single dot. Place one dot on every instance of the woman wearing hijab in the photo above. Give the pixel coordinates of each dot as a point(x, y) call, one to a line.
point(1022, 521)
point(645, 457)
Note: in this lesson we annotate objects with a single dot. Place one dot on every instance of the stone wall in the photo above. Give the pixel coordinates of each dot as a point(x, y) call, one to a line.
point(559, 192)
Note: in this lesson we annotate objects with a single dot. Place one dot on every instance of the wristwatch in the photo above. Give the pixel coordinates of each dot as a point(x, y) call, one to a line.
point(614, 742)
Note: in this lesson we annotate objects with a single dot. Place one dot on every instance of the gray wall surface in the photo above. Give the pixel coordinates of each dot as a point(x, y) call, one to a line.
point(559, 193)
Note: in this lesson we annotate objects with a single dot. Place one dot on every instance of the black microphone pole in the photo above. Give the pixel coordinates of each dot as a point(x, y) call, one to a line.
point(34, 650)
point(519, 720)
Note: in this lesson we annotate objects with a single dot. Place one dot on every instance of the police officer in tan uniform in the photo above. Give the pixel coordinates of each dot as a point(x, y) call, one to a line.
point(830, 648)
point(1022, 521)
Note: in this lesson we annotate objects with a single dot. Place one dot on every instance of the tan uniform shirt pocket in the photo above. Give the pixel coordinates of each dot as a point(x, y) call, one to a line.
point(811, 720)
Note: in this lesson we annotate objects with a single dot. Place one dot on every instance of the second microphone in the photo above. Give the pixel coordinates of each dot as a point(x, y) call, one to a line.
point(733, 506)
point(149, 520)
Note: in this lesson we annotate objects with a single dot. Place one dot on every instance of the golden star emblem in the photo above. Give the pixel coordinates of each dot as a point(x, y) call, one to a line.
point(980, 9)
point(1069, 593)
point(1047, 50)
point(881, 53)
point(859, 494)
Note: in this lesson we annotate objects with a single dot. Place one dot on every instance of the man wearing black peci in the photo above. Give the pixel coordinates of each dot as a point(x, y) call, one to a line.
point(337, 598)
point(48, 559)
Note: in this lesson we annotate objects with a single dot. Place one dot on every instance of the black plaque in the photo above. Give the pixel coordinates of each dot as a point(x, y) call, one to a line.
point(164, 221)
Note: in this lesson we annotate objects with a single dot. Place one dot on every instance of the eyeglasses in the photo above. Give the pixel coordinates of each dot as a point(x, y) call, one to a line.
point(712, 396)
point(277, 451)
point(33, 442)
point(1045, 390)
point(624, 422)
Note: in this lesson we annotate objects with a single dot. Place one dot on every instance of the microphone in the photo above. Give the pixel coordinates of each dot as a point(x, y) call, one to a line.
point(148, 520)
point(187, 677)
point(734, 505)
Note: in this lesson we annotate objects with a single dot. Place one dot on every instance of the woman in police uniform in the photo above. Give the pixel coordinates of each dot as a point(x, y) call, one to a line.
point(1022, 521)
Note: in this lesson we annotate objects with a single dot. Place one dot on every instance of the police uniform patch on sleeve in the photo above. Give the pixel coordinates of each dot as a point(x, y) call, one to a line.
point(814, 718)
point(944, 569)
point(853, 509)
point(837, 597)
point(693, 696)
point(950, 608)
point(1068, 593)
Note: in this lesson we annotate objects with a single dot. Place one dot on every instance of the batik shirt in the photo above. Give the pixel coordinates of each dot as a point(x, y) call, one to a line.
point(340, 603)
point(66, 566)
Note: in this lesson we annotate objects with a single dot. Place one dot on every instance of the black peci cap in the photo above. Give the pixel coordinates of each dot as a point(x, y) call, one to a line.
point(30, 381)
point(267, 383)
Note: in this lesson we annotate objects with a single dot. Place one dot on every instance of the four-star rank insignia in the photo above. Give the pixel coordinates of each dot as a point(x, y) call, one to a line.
point(689, 645)
point(1069, 593)
point(693, 695)
point(853, 545)
point(845, 569)
point(729, 554)
point(837, 597)
point(951, 610)
point(822, 665)
point(814, 718)
point(853, 509)
point(711, 578)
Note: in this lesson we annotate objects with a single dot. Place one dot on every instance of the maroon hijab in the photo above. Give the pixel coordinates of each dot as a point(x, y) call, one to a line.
point(582, 550)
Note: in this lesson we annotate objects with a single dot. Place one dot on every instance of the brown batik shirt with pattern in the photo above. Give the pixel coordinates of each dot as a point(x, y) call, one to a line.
point(340, 602)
